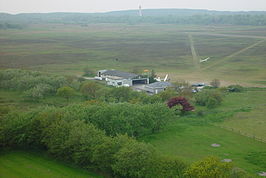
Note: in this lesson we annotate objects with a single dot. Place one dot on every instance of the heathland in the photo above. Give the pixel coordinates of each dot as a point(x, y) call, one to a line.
point(237, 53)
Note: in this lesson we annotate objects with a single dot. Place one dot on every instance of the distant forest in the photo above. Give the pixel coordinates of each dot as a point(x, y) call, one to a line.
point(153, 16)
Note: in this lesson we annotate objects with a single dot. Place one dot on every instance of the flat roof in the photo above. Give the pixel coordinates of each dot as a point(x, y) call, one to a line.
point(121, 74)
point(159, 85)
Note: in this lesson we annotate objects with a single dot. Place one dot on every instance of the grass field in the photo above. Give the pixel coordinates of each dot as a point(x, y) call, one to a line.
point(234, 51)
point(237, 56)
point(190, 138)
point(22, 164)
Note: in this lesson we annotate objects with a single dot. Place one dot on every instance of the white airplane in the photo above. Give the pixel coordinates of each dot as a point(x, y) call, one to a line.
point(204, 60)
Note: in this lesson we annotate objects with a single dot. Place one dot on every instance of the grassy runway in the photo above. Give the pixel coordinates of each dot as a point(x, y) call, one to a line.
point(57, 48)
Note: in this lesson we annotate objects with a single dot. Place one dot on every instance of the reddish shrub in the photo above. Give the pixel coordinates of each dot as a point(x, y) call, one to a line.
point(182, 101)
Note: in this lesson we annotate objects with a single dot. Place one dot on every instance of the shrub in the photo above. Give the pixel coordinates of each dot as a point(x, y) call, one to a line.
point(90, 89)
point(38, 92)
point(235, 88)
point(180, 101)
point(65, 92)
point(209, 98)
point(134, 160)
point(208, 168)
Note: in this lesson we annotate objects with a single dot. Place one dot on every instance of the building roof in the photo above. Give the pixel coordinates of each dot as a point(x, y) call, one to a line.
point(121, 74)
point(159, 85)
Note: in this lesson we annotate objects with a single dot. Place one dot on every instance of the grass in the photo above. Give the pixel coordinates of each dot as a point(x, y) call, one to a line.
point(190, 138)
point(22, 164)
point(251, 122)
point(56, 48)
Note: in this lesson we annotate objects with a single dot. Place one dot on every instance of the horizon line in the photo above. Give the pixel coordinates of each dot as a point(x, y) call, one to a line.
point(143, 9)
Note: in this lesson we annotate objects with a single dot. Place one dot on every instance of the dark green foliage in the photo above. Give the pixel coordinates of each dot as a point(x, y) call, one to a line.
point(65, 92)
point(90, 90)
point(132, 119)
point(134, 160)
point(235, 88)
point(167, 94)
point(35, 85)
point(122, 94)
point(73, 139)
point(209, 98)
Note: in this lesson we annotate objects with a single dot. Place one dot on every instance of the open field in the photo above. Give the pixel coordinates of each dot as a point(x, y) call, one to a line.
point(237, 53)
point(20, 164)
point(251, 120)
point(190, 138)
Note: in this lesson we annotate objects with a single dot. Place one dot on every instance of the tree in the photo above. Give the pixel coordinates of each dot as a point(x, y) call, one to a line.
point(134, 160)
point(90, 89)
point(209, 98)
point(215, 83)
point(210, 167)
point(180, 101)
point(183, 88)
point(152, 76)
point(38, 92)
point(65, 92)
point(167, 94)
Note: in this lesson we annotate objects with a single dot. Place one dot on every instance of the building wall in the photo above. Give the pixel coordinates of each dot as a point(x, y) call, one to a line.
point(119, 83)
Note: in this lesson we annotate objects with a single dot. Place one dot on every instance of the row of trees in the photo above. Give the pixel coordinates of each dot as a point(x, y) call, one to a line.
point(35, 85)
point(75, 140)
point(157, 17)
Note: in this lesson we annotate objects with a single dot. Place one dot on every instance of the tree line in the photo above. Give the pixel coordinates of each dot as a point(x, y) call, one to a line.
point(156, 17)
point(69, 135)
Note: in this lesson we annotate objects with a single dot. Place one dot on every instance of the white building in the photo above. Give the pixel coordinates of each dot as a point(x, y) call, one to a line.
point(119, 78)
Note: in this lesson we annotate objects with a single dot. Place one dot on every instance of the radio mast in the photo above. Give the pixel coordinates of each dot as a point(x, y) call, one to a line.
point(140, 11)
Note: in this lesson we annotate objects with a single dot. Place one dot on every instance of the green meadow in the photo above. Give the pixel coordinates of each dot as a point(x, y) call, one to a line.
point(241, 115)
point(22, 164)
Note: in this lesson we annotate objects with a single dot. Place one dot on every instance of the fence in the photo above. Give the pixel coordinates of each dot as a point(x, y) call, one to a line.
point(242, 133)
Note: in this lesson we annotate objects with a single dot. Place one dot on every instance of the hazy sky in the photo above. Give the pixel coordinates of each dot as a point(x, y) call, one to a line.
point(21, 6)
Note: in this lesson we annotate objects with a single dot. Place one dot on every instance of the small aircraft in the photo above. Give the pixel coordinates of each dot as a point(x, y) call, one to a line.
point(204, 60)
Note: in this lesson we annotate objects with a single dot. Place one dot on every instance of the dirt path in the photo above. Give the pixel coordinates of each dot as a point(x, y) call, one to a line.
point(232, 55)
point(193, 52)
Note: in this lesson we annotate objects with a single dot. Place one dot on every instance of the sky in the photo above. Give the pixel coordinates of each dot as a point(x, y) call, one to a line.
point(42, 6)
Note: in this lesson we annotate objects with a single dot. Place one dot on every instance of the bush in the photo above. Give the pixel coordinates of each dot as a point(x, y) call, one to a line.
point(38, 92)
point(134, 160)
point(65, 92)
point(209, 168)
point(209, 98)
point(90, 89)
point(34, 84)
point(235, 88)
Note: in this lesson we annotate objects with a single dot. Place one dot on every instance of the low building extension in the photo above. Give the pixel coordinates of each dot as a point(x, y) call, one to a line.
point(157, 87)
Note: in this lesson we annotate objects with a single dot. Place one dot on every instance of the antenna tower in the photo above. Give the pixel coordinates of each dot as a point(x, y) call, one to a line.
point(140, 11)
